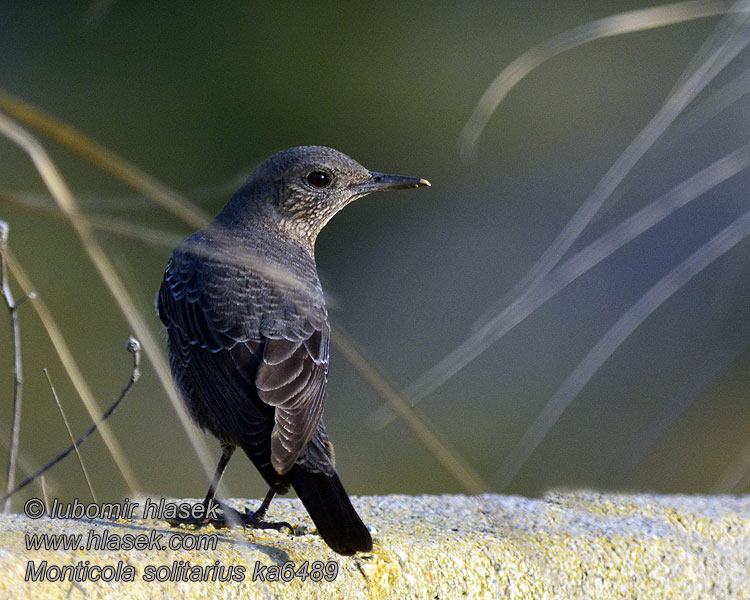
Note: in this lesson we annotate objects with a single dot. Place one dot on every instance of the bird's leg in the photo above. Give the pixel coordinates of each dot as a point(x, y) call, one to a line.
point(228, 515)
point(255, 520)
point(261, 512)
point(226, 453)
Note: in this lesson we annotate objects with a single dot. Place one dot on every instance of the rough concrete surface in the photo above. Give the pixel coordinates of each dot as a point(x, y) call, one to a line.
point(565, 545)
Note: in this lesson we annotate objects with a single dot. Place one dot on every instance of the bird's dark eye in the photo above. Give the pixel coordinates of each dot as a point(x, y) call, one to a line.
point(318, 179)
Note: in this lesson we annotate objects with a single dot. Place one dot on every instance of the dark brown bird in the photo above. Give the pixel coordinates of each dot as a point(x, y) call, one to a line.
point(248, 330)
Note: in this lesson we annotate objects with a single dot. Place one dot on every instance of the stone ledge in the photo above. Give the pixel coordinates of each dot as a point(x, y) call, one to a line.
point(565, 545)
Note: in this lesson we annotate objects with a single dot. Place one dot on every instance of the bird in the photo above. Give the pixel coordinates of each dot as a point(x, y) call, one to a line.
point(248, 331)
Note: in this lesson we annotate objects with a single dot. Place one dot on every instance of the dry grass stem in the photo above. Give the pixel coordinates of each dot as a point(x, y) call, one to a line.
point(121, 295)
point(70, 434)
point(573, 268)
point(734, 37)
point(450, 460)
point(649, 302)
point(60, 192)
point(43, 483)
point(619, 24)
point(98, 155)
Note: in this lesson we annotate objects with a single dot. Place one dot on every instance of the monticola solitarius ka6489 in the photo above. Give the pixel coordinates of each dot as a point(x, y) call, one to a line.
point(248, 330)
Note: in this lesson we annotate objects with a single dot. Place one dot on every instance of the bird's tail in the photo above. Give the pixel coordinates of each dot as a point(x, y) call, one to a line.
point(331, 510)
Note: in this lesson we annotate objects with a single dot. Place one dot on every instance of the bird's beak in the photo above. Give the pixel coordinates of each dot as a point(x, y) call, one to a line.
point(380, 182)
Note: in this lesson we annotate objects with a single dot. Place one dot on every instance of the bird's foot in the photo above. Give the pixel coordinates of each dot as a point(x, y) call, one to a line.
point(255, 521)
point(220, 515)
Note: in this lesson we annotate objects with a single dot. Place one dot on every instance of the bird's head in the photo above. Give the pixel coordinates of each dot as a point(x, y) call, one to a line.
point(306, 186)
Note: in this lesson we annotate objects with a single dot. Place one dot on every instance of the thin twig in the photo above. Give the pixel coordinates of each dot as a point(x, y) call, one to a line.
point(135, 349)
point(17, 364)
point(70, 434)
point(461, 471)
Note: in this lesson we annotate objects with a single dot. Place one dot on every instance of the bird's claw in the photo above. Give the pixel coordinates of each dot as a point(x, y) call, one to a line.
point(230, 516)
point(255, 521)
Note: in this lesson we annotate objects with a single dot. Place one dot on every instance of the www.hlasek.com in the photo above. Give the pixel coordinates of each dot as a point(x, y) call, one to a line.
point(178, 570)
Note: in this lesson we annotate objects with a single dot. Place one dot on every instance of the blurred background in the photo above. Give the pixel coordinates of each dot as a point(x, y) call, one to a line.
point(197, 95)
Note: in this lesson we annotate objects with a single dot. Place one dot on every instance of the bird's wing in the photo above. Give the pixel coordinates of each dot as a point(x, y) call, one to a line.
point(292, 377)
point(223, 308)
